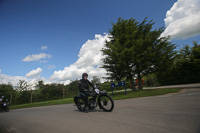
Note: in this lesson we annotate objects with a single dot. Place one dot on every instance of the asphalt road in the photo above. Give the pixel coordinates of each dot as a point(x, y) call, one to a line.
point(172, 113)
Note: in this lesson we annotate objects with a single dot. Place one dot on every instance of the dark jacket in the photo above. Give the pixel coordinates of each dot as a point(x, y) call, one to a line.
point(84, 85)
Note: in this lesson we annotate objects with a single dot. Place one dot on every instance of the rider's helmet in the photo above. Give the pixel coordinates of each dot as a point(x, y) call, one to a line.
point(84, 74)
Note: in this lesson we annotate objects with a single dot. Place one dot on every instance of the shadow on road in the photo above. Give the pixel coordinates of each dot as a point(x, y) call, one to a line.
point(89, 111)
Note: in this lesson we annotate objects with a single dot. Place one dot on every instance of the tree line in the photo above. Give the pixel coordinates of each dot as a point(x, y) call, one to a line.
point(25, 93)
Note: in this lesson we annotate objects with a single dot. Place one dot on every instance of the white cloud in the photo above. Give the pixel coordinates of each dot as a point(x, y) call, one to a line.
point(49, 67)
point(43, 47)
point(183, 19)
point(89, 61)
point(36, 57)
point(5, 79)
point(34, 73)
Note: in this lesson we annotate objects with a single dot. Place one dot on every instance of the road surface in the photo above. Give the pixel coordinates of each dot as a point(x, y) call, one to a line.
point(171, 113)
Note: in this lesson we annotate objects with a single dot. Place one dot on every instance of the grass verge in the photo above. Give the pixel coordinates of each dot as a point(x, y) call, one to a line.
point(45, 103)
point(143, 93)
point(116, 96)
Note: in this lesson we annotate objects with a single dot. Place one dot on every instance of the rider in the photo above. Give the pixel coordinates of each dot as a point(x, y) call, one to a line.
point(3, 99)
point(84, 84)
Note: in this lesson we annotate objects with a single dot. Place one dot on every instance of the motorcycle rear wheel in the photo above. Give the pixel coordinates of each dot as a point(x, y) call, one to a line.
point(106, 103)
point(6, 109)
point(80, 104)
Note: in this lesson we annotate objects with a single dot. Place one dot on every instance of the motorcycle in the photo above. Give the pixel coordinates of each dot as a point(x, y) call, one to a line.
point(96, 98)
point(4, 107)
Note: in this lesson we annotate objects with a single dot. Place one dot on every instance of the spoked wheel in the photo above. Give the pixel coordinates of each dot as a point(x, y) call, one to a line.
point(80, 104)
point(106, 103)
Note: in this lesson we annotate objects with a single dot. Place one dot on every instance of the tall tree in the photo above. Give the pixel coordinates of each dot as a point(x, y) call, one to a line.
point(135, 49)
point(24, 93)
point(22, 85)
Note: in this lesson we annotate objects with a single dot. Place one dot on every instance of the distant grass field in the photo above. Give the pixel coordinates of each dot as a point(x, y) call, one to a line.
point(116, 96)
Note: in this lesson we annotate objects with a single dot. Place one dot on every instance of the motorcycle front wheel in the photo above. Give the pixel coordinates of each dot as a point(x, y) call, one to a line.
point(106, 103)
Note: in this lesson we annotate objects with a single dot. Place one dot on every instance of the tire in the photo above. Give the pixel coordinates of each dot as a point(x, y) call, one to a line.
point(6, 109)
point(80, 104)
point(106, 103)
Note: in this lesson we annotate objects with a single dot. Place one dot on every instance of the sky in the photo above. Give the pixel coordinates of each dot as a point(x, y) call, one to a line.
point(58, 40)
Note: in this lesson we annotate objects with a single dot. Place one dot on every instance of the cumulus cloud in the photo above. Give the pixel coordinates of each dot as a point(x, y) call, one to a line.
point(43, 47)
point(34, 73)
point(183, 19)
point(5, 79)
point(89, 61)
point(36, 57)
point(14, 80)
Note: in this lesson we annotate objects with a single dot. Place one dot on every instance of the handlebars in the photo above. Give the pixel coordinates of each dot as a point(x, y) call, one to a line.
point(97, 91)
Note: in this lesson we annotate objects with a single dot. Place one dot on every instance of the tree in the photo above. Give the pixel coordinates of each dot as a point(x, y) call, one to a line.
point(22, 85)
point(23, 89)
point(135, 49)
point(74, 87)
point(8, 92)
point(187, 65)
point(96, 80)
point(39, 84)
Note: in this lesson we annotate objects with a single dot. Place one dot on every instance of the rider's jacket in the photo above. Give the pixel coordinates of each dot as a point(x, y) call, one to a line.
point(84, 85)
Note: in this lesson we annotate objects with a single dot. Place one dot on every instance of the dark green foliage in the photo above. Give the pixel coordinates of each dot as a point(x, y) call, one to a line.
point(73, 88)
point(5, 90)
point(8, 92)
point(185, 69)
point(135, 49)
point(150, 80)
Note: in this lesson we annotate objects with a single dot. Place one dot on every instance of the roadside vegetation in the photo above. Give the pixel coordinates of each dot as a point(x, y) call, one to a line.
point(116, 96)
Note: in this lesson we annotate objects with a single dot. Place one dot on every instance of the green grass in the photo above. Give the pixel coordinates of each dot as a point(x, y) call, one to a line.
point(116, 96)
point(143, 93)
point(45, 103)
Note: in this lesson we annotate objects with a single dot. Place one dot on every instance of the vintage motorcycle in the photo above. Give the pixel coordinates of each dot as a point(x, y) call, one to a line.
point(96, 98)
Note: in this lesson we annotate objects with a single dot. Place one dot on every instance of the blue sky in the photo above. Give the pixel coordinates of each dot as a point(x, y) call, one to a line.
point(63, 27)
